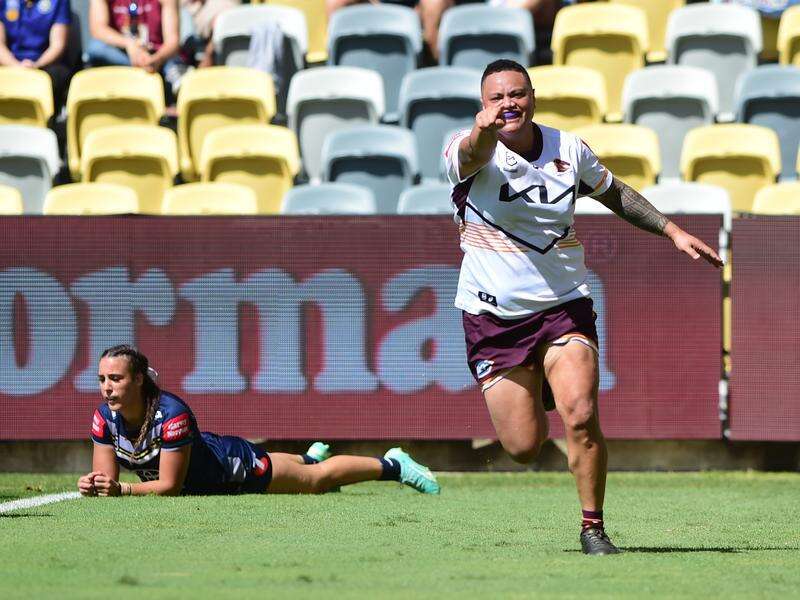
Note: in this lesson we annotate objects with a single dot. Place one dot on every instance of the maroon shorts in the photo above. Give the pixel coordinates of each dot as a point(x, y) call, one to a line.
point(495, 344)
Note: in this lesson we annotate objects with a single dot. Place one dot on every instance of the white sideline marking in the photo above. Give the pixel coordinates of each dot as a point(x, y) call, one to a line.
point(37, 501)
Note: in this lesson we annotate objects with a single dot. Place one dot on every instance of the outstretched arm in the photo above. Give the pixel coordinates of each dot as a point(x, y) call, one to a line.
point(629, 204)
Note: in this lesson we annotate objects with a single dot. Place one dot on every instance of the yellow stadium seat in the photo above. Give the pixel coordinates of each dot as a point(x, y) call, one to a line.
point(630, 152)
point(778, 199)
point(26, 97)
point(216, 97)
point(10, 201)
point(740, 158)
point(789, 37)
point(568, 97)
point(142, 157)
point(91, 199)
point(263, 157)
point(657, 12)
point(610, 38)
point(210, 199)
point(317, 23)
point(106, 96)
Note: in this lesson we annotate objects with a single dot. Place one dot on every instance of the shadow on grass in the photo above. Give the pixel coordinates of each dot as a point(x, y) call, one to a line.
point(718, 550)
point(22, 515)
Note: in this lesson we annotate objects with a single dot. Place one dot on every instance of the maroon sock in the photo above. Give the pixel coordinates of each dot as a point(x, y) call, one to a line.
point(592, 519)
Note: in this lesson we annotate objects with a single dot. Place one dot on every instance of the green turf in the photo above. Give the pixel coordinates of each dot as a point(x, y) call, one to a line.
point(719, 535)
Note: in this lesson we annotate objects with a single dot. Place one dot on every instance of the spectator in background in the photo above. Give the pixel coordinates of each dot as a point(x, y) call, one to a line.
point(204, 16)
point(33, 35)
point(139, 33)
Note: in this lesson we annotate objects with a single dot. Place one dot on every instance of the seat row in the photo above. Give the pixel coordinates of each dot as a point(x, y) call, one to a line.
point(349, 199)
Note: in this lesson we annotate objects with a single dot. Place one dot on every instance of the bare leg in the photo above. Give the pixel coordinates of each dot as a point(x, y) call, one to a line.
point(517, 413)
point(430, 13)
point(293, 457)
point(572, 373)
point(289, 477)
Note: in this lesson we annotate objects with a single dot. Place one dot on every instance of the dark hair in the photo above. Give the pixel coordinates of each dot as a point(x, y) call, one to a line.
point(150, 391)
point(505, 64)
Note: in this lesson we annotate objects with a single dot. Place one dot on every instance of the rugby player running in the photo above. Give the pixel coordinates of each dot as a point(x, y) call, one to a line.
point(527, 311)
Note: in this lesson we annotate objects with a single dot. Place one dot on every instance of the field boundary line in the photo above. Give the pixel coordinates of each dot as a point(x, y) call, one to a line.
point(37, 501)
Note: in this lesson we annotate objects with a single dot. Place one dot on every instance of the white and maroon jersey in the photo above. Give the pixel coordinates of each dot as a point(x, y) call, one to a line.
point(521, 255)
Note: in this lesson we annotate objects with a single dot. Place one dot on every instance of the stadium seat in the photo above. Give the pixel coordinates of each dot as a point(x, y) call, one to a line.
point(10, 200)
point(215, 97)
point(26, 96)
point(91, 199)
point(779, 199)
point(670, 100)
point(382, 158)
point(568, 97)
point(682, 197)
point(329, 199)
point(740, 158)
point(316, 23)
point(264, 158)
point(324, 99)
point(723, 38)
point(770, 96)
point(28, 162)
point(105, 96)
point(657, 13)
point(142, 157)
point(630, 152)
point(381, 37)
point(234, 28)
point(610, 38)
point(473, 35)
point(427, 199)
point(789, 37)
point(434, 102)
point(214, 198)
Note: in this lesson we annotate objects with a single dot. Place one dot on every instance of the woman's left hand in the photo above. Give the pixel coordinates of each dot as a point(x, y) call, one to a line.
point(105, 486)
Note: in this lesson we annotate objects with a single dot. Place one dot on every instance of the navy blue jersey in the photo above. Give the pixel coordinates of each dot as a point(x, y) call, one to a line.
point(218, 464)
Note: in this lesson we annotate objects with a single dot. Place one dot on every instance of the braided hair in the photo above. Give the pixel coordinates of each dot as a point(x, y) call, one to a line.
point(150, 390)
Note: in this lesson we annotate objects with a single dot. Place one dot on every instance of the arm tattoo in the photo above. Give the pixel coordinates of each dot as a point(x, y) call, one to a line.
point(633, 207)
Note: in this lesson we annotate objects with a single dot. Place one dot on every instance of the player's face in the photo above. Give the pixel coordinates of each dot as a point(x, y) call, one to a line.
point(119, 387)
point(510, 91)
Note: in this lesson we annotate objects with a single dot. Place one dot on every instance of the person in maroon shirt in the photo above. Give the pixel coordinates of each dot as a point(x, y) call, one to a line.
point(139, 33)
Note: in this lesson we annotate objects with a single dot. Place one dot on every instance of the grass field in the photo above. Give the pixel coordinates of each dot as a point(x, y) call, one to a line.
point(699, 535)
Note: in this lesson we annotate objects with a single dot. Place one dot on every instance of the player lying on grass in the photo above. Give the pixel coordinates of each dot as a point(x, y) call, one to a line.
point(155, 434)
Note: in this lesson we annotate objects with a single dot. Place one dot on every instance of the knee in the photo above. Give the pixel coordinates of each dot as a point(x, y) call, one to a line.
point(580, 416)
point(320, 482)
point(524, 452)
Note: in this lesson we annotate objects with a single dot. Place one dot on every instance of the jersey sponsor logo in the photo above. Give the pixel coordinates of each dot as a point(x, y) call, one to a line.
point(44, 6)
point(176, 428)
point(98, 424)
point(507, 196)
point(483, 368)
point(261, 465)
point(488, 298)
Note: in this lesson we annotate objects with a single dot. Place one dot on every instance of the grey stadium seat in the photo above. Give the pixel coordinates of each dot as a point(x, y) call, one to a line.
point(670, 100)
point(723, 38)
point(28, 161)
point(234, 27)
point(427, 199)
point(770, 96)
point(325, 99)
point(381, 37)
point(473, 35)
point(329, 199)
point(690, 198)
point(434, 102)
point(382, 158)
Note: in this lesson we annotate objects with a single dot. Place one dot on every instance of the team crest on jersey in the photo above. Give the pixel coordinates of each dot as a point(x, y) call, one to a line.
point(511, 160)
point(483, 368)
point(44, 6)
point(562, 166)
